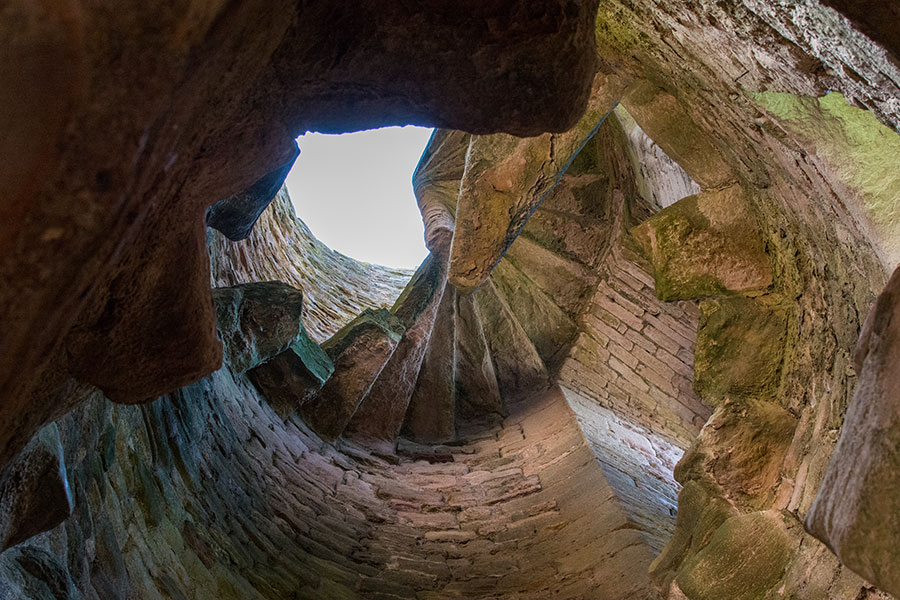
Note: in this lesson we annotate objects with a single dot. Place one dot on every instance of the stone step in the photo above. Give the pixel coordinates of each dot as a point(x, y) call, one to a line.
point(381, 413)
point(359, 351)
point(431, 417)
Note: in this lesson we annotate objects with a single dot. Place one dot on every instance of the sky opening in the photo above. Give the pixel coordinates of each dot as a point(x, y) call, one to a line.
point(354, 191)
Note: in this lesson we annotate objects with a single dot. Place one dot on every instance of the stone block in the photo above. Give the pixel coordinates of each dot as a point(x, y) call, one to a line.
point(359, 352)
point(293, 376)
point(857, 510)
point(706, 245)
point(740, 348)
point(257, 321)
point(746, 558)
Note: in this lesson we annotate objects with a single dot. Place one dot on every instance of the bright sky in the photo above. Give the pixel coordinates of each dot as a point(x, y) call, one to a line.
point(355, 192)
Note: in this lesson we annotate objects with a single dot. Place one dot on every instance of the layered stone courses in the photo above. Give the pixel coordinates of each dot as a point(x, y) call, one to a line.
point(635, 353)
point(208, 494)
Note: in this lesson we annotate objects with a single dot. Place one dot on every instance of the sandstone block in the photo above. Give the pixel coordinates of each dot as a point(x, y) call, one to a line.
point(857, 510)
point(294, 376)
point(746, 558)
point(706, 245)
point(258, 321)
point(236, 215)
point(740, 349)
point(359, 352)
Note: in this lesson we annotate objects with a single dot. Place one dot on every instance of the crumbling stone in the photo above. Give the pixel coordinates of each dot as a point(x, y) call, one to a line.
point(740, 348)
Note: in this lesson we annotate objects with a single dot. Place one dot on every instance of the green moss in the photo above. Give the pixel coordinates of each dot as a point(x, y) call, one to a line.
point(740, 348)
point(746, 559)
point(705, 245)
point(614, 28)
point(864, 153)
point(314, 358)
point(672, 230)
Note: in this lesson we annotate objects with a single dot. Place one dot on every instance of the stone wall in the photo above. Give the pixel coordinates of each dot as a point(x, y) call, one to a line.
point(208, 494)
point(281, 247)
point(637, 463)
point(635, 353)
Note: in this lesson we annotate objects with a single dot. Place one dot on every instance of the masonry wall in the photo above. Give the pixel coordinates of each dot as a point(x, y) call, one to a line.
point(209, 495)
point(634, 353)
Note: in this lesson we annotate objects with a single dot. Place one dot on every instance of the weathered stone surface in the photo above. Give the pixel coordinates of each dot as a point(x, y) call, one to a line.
point(673, 129)
point(568, 282)
point(43, 75)
point(381, 413)
point(155, 332)
point(258, 321)
point(634, 354)
point(505, 180)
point(637, 464)
point(193, 102)
point(545, 323)
point(745, 559)
point(436, 183)
point(706, 245)
point(661, 181)
point(740, 348)
point(292, 377)
point(29, 572)
point(517, 364)
point(574, 220)
point(700, 513)
point(741, 449)
point(477, 391)
point(34, 490)
point(236, 215)
point(856, 512)
point(431, 417)
point(855, 150)
point(359, 352)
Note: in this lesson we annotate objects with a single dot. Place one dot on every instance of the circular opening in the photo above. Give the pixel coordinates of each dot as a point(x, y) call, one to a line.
point(354, 191)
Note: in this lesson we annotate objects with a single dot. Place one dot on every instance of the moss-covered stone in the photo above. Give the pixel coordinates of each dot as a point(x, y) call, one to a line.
point(740, 348)
point(359, 352)
point(666, 121)
point(745, 559)
point(505, 180)
point(862, 152)
point(547, 325)
point(257, 321)
point(700, 513)
point(293, 376)
point(705, 245)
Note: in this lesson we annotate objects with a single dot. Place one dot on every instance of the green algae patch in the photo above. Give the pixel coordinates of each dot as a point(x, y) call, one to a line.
point(740, 348)
point(862, 152)
point(614, 28)
point(705, 245)
point(746, 559)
